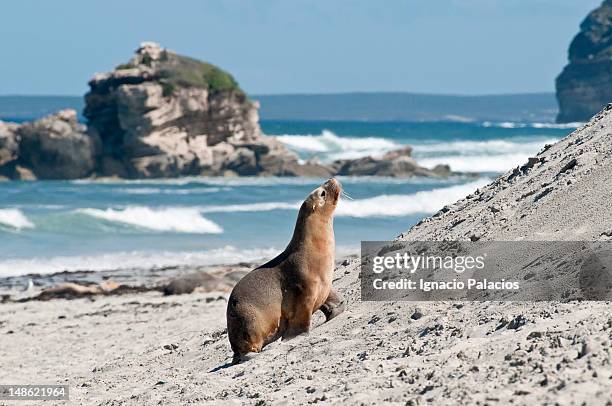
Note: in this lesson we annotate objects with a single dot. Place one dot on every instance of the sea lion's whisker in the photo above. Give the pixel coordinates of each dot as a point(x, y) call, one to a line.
point(346, 195)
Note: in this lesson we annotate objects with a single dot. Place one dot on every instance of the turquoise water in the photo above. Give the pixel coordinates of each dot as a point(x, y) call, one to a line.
point(86, 225)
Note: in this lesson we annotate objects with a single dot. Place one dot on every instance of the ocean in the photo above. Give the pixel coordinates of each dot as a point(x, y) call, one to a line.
point(54, 226)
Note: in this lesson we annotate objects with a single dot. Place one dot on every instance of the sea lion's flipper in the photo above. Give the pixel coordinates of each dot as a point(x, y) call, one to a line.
point(333, 306)
point(297, 325)
point(236, 359)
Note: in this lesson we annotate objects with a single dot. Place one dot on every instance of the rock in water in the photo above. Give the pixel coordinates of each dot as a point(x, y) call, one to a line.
point(54, 147)
point(585, 85)
point(9, 148)
point(57, 147)
point(165, 115)
point(397, 163)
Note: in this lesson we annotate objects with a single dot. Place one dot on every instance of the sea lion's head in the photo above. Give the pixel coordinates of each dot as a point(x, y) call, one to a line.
point(324, 199)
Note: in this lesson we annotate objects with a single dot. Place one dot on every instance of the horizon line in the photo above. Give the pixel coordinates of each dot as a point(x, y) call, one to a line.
point(344, 93)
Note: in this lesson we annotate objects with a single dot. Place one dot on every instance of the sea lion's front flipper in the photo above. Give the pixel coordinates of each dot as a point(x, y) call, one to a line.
point(333, 306)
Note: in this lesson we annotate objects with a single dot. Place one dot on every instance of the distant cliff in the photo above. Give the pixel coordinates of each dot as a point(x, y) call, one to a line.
point(585, 85)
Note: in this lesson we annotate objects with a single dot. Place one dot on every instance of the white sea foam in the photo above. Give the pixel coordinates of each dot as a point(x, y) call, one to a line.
point(458, 119)
point(479, 156)
point(513, 124)
point(182, 220)
point(557, 125)
point(133, 260)
point(478, 163)
point(14, 218)
point(484, 147)
point(331, 147)
point(403, 205)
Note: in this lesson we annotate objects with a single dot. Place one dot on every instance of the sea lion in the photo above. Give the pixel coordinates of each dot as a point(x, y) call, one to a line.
point(277, 299)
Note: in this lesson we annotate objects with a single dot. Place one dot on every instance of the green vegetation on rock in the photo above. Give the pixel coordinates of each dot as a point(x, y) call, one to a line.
point(218, 80)
point(175, 71)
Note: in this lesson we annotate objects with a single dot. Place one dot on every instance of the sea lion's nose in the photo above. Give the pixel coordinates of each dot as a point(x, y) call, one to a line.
point(332, 182)
point(333, 187)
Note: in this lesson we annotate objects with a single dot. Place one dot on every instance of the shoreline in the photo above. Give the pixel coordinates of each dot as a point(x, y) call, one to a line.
point(123, 281)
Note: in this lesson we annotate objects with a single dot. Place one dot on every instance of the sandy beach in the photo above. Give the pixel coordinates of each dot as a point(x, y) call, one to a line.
point(149, 349)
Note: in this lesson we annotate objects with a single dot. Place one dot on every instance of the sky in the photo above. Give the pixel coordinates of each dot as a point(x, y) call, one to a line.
point(298, 46)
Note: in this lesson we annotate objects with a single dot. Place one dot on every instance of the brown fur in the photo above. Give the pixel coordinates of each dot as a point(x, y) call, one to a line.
point(277, 299)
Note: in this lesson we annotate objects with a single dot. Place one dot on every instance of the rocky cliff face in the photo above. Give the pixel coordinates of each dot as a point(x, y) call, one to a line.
point(585, 85)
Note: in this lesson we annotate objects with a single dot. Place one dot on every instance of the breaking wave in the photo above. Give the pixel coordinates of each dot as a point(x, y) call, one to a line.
point(485, 147)
point(331, 147)
point(182, 220)
point(480, 156)
point(14, 218)
point(403, 205)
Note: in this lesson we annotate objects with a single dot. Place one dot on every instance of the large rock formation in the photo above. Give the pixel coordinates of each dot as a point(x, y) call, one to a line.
point(585, 85)
point(164, 115)
point(54, 147)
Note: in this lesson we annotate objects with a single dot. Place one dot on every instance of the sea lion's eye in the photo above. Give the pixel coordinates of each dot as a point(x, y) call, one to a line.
point(323, 193)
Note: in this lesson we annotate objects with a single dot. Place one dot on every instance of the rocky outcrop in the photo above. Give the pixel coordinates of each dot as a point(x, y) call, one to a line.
point(165, 115)
point(57, 147)
point(397, 163)
point(54, 147)
point(585, 85)
point(9, 144)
